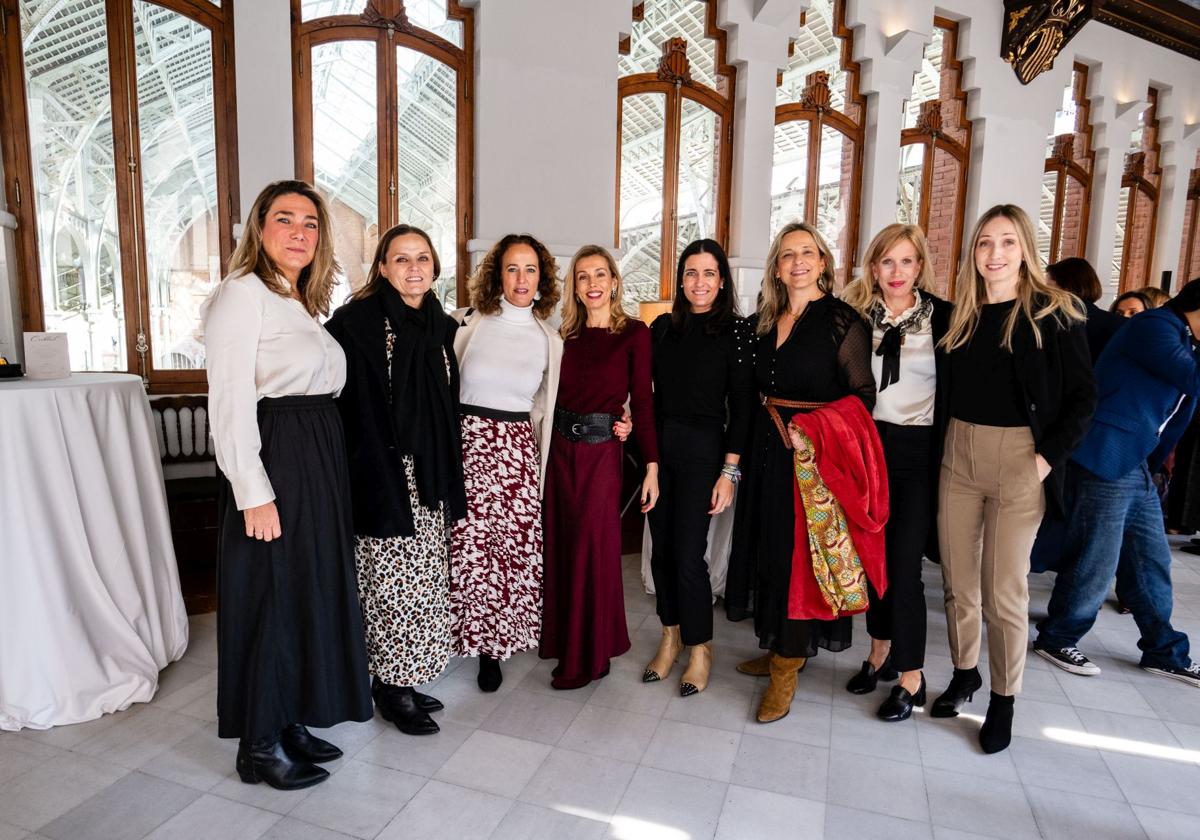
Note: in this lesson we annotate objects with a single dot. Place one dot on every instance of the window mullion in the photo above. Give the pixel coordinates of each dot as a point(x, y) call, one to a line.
point(385, 96)
point(930, 144)
point(673, 128)
point(811, 188)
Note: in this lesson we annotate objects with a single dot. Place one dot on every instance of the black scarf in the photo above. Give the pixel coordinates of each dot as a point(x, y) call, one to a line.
point(893, 335)
point(424, 418)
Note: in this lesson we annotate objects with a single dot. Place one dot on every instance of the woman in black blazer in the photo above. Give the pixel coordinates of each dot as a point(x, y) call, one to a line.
point(400, 413)
point(1020, 393)
point(895, 296)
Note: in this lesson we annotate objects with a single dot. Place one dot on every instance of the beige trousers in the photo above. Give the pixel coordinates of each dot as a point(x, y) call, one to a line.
point(990, 504)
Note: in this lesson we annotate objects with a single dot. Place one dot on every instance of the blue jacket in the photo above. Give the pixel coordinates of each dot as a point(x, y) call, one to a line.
point(1145, 370)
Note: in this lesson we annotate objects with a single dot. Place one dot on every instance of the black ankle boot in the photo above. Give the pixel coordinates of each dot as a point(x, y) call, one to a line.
point(996, 732)
point(899, 704)
point(265, 760)
point(962, 688)
point(398, 704)
point(489, 673)
point(302, 744)
point(424, 702)
point(864, 681)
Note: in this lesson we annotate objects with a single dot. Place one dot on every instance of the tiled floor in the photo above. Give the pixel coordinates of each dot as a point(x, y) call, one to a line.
point(1114, 756)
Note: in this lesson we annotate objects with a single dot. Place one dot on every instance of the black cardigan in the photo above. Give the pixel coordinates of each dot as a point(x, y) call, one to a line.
point(378, 486)
point(1057, 388)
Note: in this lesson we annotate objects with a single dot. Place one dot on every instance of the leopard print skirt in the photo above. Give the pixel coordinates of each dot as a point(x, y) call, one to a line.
point(403, 583)
point(496, 550)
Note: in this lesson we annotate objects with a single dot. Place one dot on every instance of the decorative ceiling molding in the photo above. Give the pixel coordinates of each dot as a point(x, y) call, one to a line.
point(1169, 23)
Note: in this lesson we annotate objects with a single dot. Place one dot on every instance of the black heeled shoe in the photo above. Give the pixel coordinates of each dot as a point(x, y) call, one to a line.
point(961, 690)
point(489, 678)
point(398, 705)
point(899, 704)
point(864, 681)
point(265, 760)
point(302, 744)
point(996, 733)
point(425, 702)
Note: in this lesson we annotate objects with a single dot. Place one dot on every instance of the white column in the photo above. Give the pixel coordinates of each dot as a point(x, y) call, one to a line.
point(1178, 156)
point(546, 121)
point(263, 46)
point(757, 46)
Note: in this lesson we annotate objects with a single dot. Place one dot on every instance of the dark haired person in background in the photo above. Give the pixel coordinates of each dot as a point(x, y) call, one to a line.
point(1130, 304)
point(1076, 275)
point(1148, 378)
point(701, 368)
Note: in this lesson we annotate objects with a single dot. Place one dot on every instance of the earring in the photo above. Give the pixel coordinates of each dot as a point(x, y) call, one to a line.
point(612, 295)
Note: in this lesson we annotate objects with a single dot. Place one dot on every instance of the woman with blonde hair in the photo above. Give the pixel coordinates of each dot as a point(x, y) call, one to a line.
point(1020, 393)
point(809, 349)
point(508, 358)
point(290, 632)
point(895, 296)
point(606, 360)
point(400, 411)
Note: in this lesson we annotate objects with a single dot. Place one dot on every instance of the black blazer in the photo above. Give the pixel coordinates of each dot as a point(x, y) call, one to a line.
point(378, 486)
point(1058, 392)
point(1101, 326)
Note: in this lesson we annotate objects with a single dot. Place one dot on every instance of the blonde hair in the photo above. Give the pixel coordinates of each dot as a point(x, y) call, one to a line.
point(317, 278)
point(863, 291)
point(1155, 295)
point(774, 300)
point(574, 316)
point(1032, 288)
point(487, 283)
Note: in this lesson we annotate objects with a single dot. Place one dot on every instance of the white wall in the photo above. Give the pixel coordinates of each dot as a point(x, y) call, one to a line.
point(545, 117)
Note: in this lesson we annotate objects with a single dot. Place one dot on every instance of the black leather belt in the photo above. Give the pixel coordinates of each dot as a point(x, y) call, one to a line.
point(493, 413)
point(596, 427)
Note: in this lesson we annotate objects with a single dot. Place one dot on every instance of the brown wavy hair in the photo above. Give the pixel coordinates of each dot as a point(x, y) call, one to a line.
point(774, 299)
point(375, 278)
point(487, 283)
point(317, 278)
point(574, 316)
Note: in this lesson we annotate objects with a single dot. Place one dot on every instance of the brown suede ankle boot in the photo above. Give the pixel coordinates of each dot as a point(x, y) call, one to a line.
point(777, 701)
point(759, 666)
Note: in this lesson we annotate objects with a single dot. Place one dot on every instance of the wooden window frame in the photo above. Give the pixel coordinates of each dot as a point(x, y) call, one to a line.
point(814, 108)
point(1193, 230)
point(677, 86)
point(1136, 179)
point(385, 23)
point(929, 134)
point(1063, 163)
point(19, 181)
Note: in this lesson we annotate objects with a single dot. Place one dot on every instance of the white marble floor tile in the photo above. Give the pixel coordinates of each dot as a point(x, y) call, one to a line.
point(877, 784)
point(1073, 816)
point(496, 764)
point(694, 750)
point(55, 787)
point(421, 755)
point(612, 733)
point(782, 767)
point(128, 809)
point(751, 814)
point(660, 805)
point(359, 800)
point(990, 807)
point(533, 716)
point(532, 822)
point(213, 818)
point(579, 783)
point(842, 823)
point(443, 810)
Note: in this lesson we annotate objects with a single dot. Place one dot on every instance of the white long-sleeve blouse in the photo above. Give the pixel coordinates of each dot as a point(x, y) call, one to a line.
point(259, 344)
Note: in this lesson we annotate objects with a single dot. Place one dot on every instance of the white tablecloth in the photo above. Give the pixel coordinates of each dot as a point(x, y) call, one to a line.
point(90, 607)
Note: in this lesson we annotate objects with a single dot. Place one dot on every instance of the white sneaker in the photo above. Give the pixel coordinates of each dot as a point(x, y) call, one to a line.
point(1069, 659)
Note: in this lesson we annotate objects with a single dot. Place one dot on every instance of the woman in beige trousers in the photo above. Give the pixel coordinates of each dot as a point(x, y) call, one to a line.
point(1020, 393)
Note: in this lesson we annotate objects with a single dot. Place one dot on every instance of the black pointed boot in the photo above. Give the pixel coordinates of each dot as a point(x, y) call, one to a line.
point(302, 744)
point(265, 760)
point(398, 704)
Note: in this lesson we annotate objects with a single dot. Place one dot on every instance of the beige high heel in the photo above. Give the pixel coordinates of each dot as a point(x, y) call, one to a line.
point(669, 648)
point(695, 676)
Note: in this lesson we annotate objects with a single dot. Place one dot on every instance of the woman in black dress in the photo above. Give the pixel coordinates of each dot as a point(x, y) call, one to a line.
point(701, 355)
point(809, 347)
point(289, 629)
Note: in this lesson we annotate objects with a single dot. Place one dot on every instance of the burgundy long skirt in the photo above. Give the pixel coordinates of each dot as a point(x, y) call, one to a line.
point(583, 613)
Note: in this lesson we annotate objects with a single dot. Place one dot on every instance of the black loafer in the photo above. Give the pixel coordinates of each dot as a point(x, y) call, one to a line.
point(864, 681)
point(899, 704)
point(302, 744)
point(961, 690)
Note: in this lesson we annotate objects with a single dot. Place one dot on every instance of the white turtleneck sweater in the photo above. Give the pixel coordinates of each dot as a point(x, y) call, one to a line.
point(503, 364)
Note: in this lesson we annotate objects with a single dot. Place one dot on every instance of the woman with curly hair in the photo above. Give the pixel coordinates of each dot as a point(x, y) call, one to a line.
point(508, 358)
point(606, 360)
point(290, 631)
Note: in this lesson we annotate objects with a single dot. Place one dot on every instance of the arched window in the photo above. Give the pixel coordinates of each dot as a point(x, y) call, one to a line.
point(1137, 213)
point(1189, 254)
point(674, 139)
point(817, 171)
point(383, 124)
point(1067, 183)
point(935, 152)
point(111, 128)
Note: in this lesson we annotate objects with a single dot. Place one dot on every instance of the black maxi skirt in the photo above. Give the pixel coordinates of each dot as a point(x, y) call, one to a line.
point(289, 626)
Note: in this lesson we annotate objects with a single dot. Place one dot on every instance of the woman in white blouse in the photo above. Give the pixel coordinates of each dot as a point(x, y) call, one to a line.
point(508, 358)
point(895, 296)
point(289, 628)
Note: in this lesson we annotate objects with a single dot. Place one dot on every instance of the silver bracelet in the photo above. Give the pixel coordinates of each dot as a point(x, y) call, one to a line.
point(732, 471)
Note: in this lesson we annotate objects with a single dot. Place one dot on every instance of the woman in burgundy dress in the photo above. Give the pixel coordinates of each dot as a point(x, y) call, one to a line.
point(606, 360)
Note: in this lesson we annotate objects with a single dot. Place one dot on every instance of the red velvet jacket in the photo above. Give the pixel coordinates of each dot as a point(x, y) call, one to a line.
point(850, 461)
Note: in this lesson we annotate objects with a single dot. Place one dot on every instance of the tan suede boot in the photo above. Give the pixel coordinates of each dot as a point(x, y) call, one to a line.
point(695, 676)
point(759, 666)
point(669, 648)
point(777, 701)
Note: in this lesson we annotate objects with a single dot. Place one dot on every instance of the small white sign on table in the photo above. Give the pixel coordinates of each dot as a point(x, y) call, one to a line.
point(46, 355)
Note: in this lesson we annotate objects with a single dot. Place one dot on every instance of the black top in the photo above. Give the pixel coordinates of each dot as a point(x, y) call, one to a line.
point(987, 391)
point(826, 357)
point(704, 379)
point(1101, 326)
